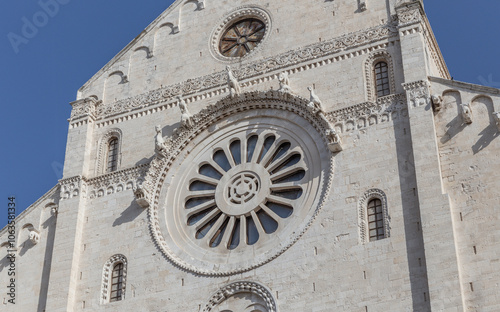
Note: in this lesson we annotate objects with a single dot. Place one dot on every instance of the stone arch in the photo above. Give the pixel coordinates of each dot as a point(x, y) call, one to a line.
point(362, 213)
point(187, 15)
point(106, 276)
point(102, 149)
point(484, 122)
point(242, 296)
point(372, 59)
point(114, 85)
point(139, 63)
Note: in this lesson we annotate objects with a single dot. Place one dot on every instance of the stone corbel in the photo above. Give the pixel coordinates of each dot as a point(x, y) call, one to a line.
point(466, 113)
point(201, 4)
point(437, 102)
point(141, 195)
point(34, 236)
point(334, 140)
point(496, 116)
point(362, 5)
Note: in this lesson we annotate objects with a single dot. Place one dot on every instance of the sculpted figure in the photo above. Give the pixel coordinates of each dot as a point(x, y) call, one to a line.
point(315, 105)
point(496, 116)
point(234, 86)
point(159, 141)
point(186, 117)
point(466, 113)
point(437, 101)
point(34, 237)
point(284, 83)
point(334, 141)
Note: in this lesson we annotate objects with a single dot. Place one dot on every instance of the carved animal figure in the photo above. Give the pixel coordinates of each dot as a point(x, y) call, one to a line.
point(466, 113)
point(284, 83)
point(332, 136)
point(234, 86)
point(315, 105)
point(159, 141)
point(186, 117)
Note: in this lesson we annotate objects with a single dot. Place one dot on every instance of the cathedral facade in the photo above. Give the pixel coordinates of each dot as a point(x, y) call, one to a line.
point(256, 156)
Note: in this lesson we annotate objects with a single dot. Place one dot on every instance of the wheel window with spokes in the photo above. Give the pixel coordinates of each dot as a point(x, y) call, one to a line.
point(244, 190)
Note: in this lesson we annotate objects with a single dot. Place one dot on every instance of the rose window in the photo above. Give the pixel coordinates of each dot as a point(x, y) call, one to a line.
point(242, 37)
point(243, 193)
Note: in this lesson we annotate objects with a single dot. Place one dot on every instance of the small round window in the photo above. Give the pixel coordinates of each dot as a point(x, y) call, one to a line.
point(242, 37)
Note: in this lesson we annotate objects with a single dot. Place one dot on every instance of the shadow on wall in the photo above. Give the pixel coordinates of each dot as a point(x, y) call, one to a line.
point(129, 214)
point(453, 99)
point(482, 108)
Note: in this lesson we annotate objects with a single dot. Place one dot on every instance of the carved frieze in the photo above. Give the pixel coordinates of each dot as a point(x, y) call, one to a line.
point(73, 187)
point(219, 80)
point(117, 181)
point(417, 93)
point(369, 113)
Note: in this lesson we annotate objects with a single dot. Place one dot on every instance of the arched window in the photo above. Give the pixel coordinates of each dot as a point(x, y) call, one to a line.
point(114, 279)
point(381, 74)
point(373, 216)
point(375, 220)
point(116, 283)
point(112, 158)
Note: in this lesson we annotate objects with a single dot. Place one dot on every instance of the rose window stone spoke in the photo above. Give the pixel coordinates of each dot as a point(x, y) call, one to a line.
point(242, 37)
point(234, 201)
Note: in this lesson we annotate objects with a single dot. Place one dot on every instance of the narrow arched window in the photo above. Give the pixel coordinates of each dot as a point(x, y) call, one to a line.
point(114, 279)
point(381, 74)
point(116, 283)
point(112, 155)
point(375, 219)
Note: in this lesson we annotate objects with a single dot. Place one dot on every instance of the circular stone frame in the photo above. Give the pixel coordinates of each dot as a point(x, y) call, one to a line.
point(167, 170)
point(229, 20)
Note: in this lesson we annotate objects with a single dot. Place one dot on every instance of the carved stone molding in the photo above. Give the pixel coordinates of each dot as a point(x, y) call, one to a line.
point(73, 187)
point(117, 181)
point(271, 64)
point(243, 12)
point(106, 277)
point(362, 213)
point(174, 146)
point(368, 114)
point(418, 93)
point(242, 287)
point(408, 12)
point(371, 61)
point(84, 108)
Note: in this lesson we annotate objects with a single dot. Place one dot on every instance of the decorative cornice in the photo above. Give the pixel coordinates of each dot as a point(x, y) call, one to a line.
point(166, 95)
point(367, 114)
point(242, 287)
point(73, 187)
point(117, 181)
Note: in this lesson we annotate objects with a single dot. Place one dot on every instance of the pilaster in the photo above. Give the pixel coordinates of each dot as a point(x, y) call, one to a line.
point(67, 245)
point(79, 143)
point(441, 256)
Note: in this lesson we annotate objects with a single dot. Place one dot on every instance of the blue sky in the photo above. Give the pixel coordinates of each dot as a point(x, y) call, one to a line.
point(41, 74)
